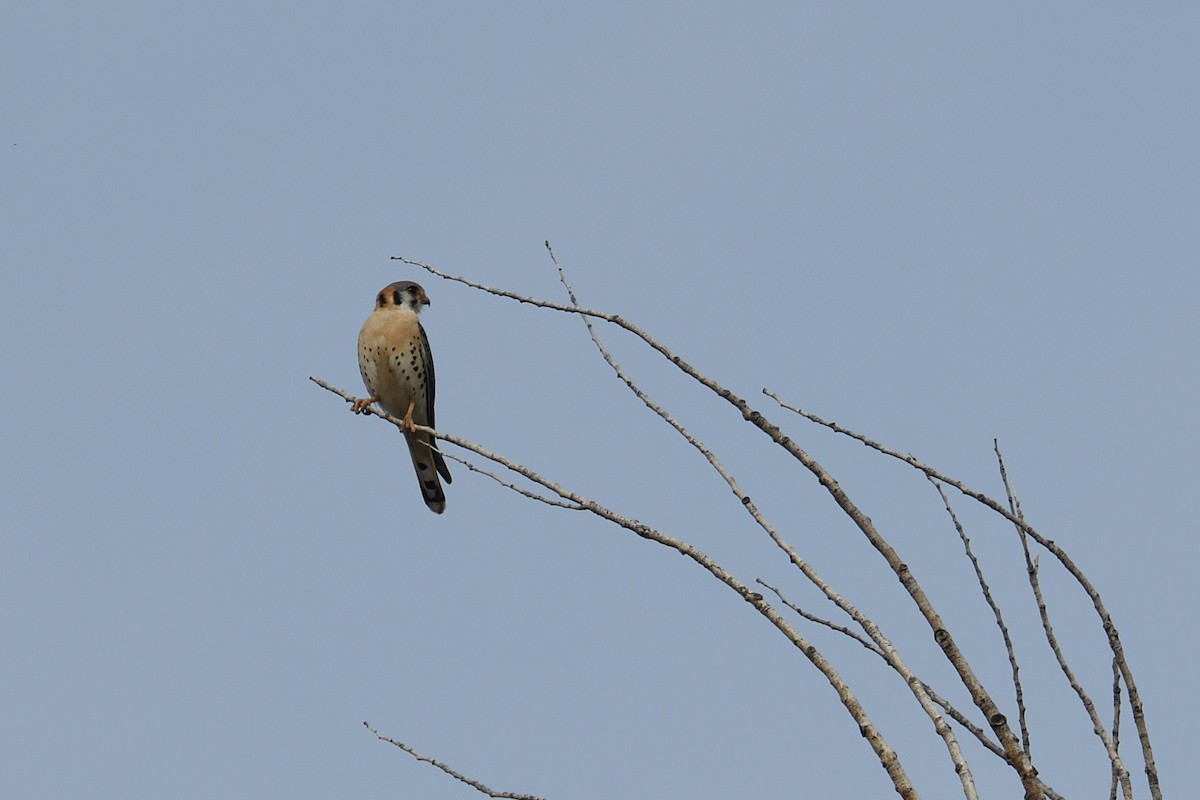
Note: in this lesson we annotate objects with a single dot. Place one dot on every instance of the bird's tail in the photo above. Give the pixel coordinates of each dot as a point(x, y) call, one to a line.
point(428, 462)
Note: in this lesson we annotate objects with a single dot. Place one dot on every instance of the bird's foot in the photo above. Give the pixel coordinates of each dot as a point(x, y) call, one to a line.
point(406, 424)
point(361, 404)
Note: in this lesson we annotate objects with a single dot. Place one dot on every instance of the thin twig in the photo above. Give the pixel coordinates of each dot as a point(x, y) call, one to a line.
point(979, 733)
point(453, 773)
point(508, 485)
point(1014, 668)
point(1035, 585)
point(867, 643)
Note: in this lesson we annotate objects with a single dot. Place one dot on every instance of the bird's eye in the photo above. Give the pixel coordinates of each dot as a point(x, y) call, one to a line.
point(412, 290)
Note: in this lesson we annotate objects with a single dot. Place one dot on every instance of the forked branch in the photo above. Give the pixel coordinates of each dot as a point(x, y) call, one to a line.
point(886, 755)
point(1110, 628)
point(1013, 753)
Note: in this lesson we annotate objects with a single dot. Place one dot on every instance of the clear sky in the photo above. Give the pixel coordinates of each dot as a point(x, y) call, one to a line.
point(936, 225)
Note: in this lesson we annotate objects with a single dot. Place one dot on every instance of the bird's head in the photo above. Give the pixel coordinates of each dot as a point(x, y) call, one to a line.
point(402, 294)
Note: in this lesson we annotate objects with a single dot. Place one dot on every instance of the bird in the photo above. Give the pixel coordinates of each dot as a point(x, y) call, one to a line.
point(397, 369)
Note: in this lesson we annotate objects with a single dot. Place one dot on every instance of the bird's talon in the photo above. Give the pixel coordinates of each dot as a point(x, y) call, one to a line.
point(361, 404)
point(406, 424)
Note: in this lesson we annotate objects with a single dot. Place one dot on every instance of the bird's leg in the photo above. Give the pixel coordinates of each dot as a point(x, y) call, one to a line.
point(406, 424)
point(360, 405)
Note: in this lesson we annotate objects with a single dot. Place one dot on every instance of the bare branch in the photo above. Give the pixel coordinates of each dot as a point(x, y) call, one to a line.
point(1116, 727)
point(506, 484)
point(1014, 750)
point(886, 755)
point(453, 773)
point(946, 706)
point(979, 733)
point(1013, 753)
point(987, 595)
point(1110, 628)
point(1048, 629)
point(882, 645)
point(874, 648)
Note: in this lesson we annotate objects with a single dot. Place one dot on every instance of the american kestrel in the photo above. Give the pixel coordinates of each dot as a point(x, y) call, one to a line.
point(397, 369)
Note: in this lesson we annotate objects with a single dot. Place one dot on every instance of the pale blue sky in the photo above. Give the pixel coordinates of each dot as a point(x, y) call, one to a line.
point(937, 225)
